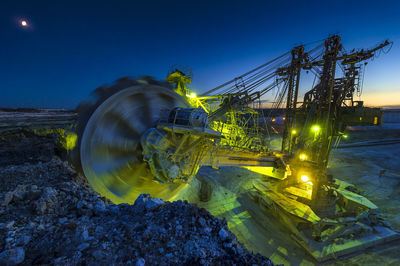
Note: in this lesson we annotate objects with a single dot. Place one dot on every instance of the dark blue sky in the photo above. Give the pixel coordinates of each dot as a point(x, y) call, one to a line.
point(72, 47)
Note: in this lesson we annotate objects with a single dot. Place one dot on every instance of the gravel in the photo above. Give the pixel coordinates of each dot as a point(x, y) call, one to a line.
point(50, 215)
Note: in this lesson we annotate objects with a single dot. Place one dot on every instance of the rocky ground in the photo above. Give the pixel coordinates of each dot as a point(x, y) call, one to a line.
point(50, 215)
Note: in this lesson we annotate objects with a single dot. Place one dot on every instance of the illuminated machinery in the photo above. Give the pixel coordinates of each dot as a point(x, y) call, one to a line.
point(150, 138)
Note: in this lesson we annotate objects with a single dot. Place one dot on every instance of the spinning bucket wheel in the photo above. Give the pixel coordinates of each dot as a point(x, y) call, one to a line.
point(110, 150)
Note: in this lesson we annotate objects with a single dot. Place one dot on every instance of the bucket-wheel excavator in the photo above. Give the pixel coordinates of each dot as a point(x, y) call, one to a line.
point(144, 136)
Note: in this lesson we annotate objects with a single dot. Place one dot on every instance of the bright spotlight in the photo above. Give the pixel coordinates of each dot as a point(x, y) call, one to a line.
point(304, 178)
point(294, 132)
point(302, 156)
point(192, 95)
point(316, 128)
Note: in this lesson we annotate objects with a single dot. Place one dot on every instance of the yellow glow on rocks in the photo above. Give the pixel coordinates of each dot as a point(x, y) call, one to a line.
point(70, 140)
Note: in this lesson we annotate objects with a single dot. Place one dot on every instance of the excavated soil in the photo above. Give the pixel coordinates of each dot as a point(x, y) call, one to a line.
point(50, 215)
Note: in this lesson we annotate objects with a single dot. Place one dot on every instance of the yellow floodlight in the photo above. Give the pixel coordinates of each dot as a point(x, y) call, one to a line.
point(316, 128)
point(304, 178)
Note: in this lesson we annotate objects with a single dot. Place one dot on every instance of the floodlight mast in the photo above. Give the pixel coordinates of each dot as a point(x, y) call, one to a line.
point(319, 119)
point(321, 105)
point(293, 76)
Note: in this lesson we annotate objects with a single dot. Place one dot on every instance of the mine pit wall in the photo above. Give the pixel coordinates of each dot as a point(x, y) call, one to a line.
point(30, 135)
point(391, 116)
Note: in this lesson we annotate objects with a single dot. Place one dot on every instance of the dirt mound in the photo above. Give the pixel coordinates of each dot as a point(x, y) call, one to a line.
point(49, 215)
point(19, 147)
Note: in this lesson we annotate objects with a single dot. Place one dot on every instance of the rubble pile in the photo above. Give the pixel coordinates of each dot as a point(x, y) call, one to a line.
point(49, 215)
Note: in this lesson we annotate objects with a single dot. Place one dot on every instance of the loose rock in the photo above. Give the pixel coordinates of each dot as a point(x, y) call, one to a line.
point(51, 211)
point(13, 256)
